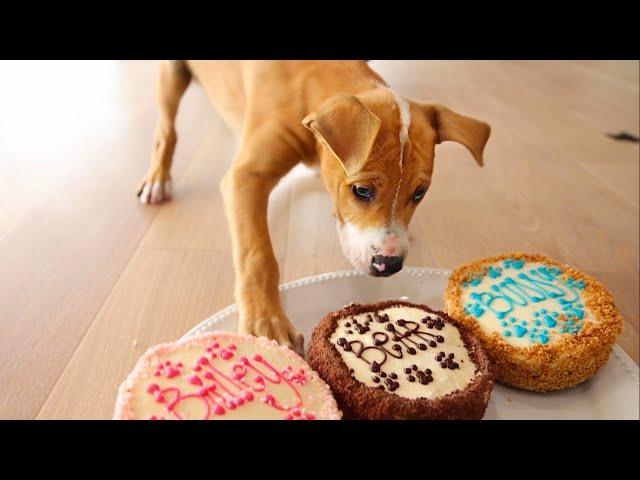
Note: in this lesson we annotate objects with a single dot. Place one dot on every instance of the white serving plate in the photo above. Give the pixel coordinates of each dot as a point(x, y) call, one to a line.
point(613, 393)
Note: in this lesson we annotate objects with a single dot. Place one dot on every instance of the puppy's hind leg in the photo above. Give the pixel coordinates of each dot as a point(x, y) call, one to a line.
point(172, 81)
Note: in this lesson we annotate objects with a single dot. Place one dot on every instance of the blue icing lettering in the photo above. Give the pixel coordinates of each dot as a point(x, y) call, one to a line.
point(518, 299)
point(537, 294)
point(487, 299)
point(532, 285)
point(541, 284)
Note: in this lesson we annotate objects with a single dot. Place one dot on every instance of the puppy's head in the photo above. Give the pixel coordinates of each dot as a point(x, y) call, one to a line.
point(377, 153)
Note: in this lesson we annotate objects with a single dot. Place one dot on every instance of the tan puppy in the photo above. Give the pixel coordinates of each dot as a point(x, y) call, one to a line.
point(375, 151)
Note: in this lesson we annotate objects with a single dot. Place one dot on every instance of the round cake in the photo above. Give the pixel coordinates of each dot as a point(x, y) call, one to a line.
point(545, 325)
point(221, 375)
point(398, 360)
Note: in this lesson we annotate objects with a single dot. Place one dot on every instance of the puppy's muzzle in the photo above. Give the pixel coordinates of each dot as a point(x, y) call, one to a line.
point(383, 266)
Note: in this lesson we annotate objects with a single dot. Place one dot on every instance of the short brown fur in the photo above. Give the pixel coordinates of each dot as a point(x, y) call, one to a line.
point(336, 114)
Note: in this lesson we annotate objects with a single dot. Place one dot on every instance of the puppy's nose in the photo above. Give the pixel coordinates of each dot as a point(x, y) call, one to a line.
point(383, 266)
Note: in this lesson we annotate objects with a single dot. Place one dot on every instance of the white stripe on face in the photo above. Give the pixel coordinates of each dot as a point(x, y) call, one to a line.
point(403, 135)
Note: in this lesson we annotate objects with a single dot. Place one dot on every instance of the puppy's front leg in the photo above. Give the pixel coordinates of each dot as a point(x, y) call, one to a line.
point(246, 188)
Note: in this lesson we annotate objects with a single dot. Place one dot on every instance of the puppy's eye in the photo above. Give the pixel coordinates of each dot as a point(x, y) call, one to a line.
point(362, 193)
point(418, 194)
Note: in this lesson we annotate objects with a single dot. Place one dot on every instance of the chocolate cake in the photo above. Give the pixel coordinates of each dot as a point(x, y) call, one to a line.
point(398, 360)
point(545, 325)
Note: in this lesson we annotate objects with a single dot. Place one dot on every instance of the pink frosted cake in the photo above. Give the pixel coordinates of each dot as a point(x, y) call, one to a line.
point(221, 375)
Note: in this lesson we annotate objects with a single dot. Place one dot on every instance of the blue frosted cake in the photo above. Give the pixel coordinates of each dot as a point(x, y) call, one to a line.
point(545, 325)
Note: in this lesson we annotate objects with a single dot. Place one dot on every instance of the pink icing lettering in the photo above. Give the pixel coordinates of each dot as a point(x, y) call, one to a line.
point(231, 391)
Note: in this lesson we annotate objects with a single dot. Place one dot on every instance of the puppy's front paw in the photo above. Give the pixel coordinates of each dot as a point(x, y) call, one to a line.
point(155, 188)
point(276, 327)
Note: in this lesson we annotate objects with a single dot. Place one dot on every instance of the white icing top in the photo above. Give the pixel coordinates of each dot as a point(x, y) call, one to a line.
point(401, 346)
point(526, 303)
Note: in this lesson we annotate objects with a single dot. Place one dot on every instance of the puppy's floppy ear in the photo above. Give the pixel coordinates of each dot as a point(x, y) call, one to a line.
point(453, 127)
point(347, 128)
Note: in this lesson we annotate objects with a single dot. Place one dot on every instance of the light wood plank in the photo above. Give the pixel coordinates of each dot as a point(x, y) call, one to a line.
point(69, 221)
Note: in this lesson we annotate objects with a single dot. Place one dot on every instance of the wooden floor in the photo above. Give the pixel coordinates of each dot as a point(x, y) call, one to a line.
point(90, 278)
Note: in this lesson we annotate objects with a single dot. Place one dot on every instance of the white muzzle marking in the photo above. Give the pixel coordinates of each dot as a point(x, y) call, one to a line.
point(360, 245)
